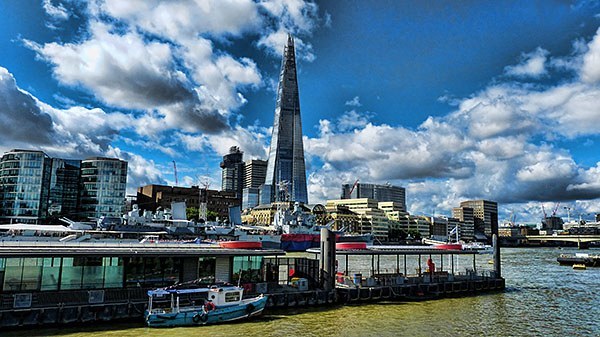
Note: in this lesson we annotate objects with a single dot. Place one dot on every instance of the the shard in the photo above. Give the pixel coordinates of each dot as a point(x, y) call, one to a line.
point(286, 173)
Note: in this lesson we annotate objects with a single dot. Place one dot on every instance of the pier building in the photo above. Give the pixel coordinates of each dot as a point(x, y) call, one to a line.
point(60, 282)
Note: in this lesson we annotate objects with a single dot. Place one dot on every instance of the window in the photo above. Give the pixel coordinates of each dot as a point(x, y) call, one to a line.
point(233, 296)
point(247, 268)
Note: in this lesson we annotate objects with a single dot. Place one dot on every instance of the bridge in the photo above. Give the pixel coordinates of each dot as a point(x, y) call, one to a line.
point(583, 241)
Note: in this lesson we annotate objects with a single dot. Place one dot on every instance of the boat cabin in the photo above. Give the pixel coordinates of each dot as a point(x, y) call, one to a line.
point(181, 300)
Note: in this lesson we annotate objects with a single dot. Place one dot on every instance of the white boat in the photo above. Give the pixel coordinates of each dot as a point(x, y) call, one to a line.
point(220, 304)
point(478, 247)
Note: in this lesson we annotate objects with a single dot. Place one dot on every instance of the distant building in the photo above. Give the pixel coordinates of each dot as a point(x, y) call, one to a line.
point(485, 214)
point(104, 181)
point(255, 172)
point(372, 220)
point(35, 188)
point(65, 178)
point(467, 222)
point(343, 218)
point(150, 197)
point(286, 153)
point(552, 223)
point(24, 186)
point(232, 174)
point(377, 192)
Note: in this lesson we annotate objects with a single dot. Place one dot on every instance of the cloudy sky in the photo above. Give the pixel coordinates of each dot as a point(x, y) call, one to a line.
point(452, 100)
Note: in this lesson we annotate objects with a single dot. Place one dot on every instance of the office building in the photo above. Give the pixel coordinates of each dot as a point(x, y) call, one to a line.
point(371, 219)
point(286, 173)
point(385, 192)
point(467, 222)
point(485, 215)
point(24, 186)
point(255, 172)
point(64, 188)
point(232, 174)
point(104, 182)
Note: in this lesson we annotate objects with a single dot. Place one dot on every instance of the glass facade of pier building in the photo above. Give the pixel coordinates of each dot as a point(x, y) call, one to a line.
point(19, 274)
point(24, 181)
point(103, 187)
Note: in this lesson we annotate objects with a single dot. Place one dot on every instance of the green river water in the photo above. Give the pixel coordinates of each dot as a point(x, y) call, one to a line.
point(541, 299)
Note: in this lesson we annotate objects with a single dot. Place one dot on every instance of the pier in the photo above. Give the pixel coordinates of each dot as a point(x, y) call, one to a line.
point(65, 283)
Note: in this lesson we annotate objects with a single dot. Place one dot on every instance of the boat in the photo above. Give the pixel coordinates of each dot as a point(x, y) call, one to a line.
point(579, 266)
point(479, 247)
point(200, 306)
point(588, 260)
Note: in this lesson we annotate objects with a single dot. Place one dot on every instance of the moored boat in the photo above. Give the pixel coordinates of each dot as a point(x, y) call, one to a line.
point(200, 306)
point(587, 260)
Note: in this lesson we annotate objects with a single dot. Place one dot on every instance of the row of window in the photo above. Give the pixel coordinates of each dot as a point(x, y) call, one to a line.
point(75, 273)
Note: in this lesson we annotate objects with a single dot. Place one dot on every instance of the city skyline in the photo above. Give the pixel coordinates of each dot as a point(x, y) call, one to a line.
point(453, 102)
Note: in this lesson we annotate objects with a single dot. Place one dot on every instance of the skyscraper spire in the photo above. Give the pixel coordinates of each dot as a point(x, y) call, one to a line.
point(285, 168)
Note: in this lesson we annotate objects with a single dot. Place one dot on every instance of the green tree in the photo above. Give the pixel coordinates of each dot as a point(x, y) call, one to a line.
point(191, 213)
point(211, 215)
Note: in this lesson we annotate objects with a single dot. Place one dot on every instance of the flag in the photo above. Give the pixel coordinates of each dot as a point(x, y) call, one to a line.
point(453, 231)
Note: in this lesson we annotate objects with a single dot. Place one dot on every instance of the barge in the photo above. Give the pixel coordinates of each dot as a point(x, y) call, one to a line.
point(585, 259)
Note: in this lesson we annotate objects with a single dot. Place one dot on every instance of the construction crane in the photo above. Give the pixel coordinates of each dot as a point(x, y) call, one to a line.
point(175, 172)
point(555, 209)
point(352, 189)
point(544, 212)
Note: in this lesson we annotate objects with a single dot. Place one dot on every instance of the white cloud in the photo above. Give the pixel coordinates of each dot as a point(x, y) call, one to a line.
point(498, 144)
point(532, 64)
point(56, 12)
point(186, 19)
point(354, 102)
point(275, 41)
point(141, 171)
point(590, 70)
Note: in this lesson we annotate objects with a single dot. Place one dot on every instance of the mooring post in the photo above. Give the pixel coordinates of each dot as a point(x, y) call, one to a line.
point(497, 267)
point(327, 260)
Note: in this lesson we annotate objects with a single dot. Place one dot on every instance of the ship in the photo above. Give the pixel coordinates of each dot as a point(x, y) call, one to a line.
point(589, 260)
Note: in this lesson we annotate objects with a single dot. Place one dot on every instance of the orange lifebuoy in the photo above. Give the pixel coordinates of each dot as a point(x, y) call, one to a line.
point(209, 306)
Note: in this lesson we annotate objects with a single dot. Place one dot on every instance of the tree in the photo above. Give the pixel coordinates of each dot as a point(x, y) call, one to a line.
point(192, 213)
point(211, 215)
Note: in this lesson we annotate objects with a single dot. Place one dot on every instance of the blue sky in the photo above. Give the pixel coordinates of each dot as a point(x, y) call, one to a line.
point(452, 100)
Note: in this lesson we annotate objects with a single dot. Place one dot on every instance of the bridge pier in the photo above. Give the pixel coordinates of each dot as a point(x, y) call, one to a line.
point(583, 245)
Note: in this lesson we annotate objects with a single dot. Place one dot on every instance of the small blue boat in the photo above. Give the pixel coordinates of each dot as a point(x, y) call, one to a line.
point(200, 306)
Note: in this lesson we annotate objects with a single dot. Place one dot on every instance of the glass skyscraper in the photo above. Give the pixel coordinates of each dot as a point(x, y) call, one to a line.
point(232, 174)
point(104, 181)
point(64, 187)
point(24, 181)
point(286, 173)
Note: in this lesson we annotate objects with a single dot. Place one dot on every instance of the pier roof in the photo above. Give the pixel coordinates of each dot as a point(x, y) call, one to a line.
point(397, 250)
point(51, 249)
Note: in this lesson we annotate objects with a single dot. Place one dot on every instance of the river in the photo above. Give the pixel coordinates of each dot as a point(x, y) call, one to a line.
point(541, 299)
